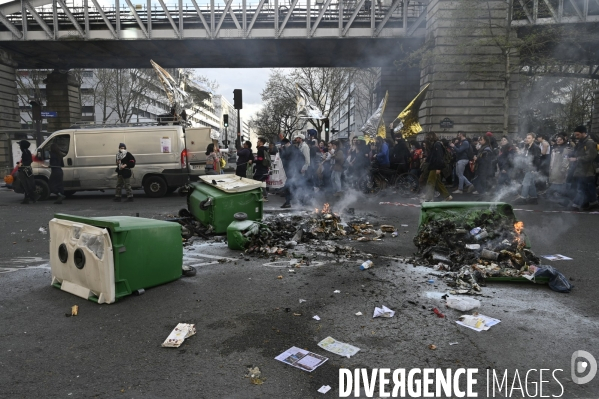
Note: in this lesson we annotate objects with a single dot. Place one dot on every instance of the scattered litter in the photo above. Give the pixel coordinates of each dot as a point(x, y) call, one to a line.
point(404, 225)
point(316, 317)
point(432, 347)
point(477, 322)
point(178, 335)
point(336, 292)
point(291, 270)
point(280, 277)
point(475, 231)
point(394, 234)
point(366, 265)
point(359, 314)
point(324, 389)
point(383, 312)
point(43, 230)
point(431, 281)
point(297, 314)
point(302, 359)
point(302, 300)
point(453, 343)
point(462, 304)
point(74, 311)
point(438, 313)
point(473, 246)
point(255, 376)
point(387, 228)
point(556, 257)
point(342, 349)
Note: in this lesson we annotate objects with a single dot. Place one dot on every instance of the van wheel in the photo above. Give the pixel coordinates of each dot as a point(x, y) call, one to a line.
point(42, 189)
point(155, 187)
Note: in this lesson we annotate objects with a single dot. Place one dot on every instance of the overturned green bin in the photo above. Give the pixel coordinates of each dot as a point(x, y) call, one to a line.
point(217, 198)
point(105, 258)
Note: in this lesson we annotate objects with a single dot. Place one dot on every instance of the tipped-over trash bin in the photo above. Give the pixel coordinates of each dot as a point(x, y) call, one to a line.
point(105, 258)
point(217, 198)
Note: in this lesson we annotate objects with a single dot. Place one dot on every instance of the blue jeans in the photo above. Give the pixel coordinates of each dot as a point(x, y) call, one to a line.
point(336, 178)
point(528, 185)
point(459, 169)
point(586, 192)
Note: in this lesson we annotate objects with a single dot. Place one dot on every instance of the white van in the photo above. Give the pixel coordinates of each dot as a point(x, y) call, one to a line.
point(159, 151)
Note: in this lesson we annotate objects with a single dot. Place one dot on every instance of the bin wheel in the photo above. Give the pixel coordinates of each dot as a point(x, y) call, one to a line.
point(188, 271)
point(155, 187)
point(240, 216)
point(184, 213)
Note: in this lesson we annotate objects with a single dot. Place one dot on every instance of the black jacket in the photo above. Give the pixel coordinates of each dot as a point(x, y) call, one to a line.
point(292, 159)
point(129, 162)
point(400, 155)
point(532, 156)
point(26, 158)
point(244, 155)
point(436, 157)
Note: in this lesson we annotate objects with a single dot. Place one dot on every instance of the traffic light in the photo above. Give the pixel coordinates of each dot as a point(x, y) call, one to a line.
point(226, 120)
point(326, 125)
point(237, 103)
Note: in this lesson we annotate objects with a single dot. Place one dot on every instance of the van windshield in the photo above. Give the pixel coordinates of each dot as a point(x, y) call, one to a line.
point(63, 141)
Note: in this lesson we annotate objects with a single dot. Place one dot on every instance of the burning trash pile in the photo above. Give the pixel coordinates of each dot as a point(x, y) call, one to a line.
point(280, 233)
point(475, 245)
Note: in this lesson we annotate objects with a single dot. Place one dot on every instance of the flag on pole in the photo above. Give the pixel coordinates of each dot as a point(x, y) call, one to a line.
point(410, 125)
point(306, 107)
point(375, 126)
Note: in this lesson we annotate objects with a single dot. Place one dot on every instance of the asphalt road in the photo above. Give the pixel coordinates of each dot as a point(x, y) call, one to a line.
point(245, 315)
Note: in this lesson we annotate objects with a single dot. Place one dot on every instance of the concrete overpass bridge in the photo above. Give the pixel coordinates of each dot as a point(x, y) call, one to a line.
point(280, 33)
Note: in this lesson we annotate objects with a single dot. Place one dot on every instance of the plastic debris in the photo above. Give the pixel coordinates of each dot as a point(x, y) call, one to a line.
point(302, 300)
point(383, 312)
point(366, 265)
point(178, 335)
point(342, 349)
point(394, 234)
point(462, 304)
point(280, 277)
point(316, 317)
point(430, 281)
point(472, 246)
point(336, 292)
point(74, 310)
point(324, 389)
point(432, 347)
point(438, 313)
point(359, 314)
point(43, 230)
point(255, 376)
point(453, 343)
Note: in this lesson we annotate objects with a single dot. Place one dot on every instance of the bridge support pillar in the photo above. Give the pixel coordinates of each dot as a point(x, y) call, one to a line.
point(403, 85)
point(63, 96)
point(595, 119)
point(467, 69)
point(9, 103)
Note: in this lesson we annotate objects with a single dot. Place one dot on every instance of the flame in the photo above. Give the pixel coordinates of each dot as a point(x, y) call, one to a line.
point(326, 208)
point(518, 226)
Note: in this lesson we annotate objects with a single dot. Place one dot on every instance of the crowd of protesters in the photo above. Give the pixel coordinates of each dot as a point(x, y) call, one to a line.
point(561, 168)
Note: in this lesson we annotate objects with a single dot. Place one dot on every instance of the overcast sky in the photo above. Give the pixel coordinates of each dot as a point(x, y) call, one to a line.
point(250, 80)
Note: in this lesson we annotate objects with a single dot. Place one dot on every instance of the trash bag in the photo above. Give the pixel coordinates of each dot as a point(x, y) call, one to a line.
point(462, 304)
point(557, 281)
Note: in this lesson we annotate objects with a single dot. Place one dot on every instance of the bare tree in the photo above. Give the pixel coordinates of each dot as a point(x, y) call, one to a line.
point(131, 89)
point(29, 88)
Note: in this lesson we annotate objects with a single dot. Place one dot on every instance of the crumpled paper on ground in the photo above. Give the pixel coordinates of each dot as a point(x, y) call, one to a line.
point(383, 312)
point(178, 335)
point(340, 348)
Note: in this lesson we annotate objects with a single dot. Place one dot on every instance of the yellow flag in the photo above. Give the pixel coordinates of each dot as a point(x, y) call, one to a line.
point(409, 116)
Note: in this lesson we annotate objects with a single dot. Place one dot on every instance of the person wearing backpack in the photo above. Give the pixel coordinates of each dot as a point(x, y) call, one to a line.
point(484, 162)
point(464, 154)
point(125, 161)
point(262, 162)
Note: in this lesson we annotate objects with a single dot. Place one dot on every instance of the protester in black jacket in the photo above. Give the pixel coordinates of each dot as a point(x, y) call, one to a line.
point(56, 175)
point(293, 160)
point(400, 155)
point(124, 163)
point(25, 173)
point(436, 163)
point(244, 156)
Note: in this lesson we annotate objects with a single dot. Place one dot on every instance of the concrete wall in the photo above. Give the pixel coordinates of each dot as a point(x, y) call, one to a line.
point(9, 107)
point(62, 96)
point(461, 90)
